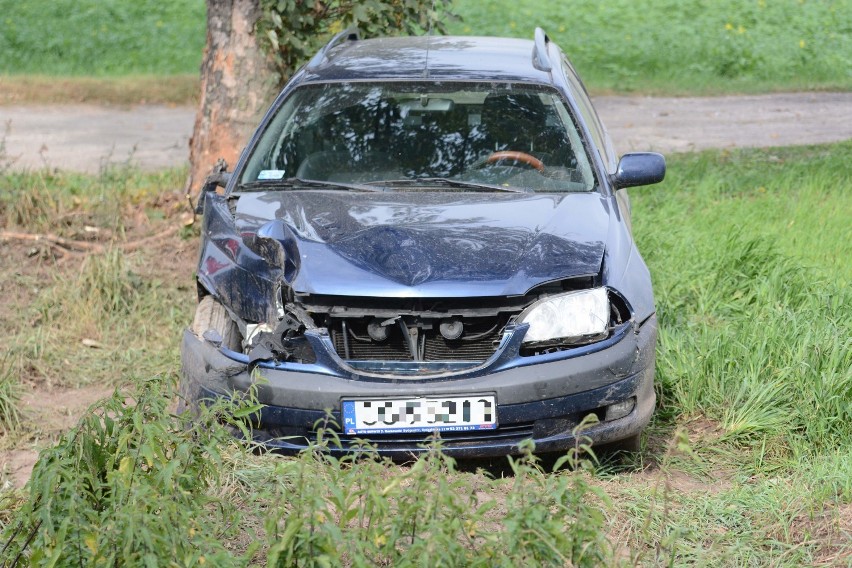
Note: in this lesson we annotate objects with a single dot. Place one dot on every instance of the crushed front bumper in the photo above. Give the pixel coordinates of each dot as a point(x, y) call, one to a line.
point(540, 397)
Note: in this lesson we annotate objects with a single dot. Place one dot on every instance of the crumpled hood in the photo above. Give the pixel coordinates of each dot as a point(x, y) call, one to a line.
point(417, 244)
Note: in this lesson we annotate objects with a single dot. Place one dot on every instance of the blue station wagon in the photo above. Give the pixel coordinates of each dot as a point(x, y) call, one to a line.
point(428, 237)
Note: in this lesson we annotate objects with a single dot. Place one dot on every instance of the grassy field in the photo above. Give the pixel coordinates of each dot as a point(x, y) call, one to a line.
point(685, 46)
point(112, 51)
point(747, 461)
point(748, 252)
point(101, 38)
point(648, 46)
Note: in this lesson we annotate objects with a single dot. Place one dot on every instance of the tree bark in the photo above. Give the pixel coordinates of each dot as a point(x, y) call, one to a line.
point(238, 82)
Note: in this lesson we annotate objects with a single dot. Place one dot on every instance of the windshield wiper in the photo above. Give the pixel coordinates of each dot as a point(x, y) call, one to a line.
point(432, 182)
point(299, 183)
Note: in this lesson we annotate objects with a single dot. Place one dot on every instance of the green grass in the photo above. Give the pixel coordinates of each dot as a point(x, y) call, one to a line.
point(756, 332)
point(747, 461)
point(797, 517)
point(684, 46)
point(649, 46)
point(748, 254)
point(101, 37)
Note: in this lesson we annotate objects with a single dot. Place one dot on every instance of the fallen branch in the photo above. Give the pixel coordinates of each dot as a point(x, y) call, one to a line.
point(86, 246)
point(69, 244)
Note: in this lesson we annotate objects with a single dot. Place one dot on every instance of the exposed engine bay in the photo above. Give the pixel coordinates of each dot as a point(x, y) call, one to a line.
point(402, 329)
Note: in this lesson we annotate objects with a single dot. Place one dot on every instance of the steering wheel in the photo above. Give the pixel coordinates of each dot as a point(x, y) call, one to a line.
point(515, 156)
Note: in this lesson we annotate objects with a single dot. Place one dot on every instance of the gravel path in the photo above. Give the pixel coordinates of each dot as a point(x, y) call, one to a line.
point(84, 137)
point(670, 125)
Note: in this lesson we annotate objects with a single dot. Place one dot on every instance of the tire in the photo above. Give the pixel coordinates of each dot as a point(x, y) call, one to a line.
point(631, 445)
point(210, 314)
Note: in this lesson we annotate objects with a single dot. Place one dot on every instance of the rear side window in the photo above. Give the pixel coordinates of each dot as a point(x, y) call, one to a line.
point(590, 117)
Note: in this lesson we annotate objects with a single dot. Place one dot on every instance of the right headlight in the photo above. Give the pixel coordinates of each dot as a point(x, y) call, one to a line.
point(575, 315)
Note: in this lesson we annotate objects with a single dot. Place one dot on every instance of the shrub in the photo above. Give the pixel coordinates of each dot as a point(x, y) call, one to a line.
point(134, 485)
point(128, 486)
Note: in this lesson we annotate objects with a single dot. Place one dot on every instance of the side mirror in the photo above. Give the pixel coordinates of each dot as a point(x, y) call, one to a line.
point(639, 168)
point(218, 177)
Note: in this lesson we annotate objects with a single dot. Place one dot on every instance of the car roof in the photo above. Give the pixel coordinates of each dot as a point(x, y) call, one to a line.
point(428, 57)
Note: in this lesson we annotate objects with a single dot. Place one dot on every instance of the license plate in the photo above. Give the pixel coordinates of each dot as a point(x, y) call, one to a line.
point(426, 414)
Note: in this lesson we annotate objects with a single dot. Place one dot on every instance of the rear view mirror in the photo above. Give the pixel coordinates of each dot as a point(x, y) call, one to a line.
point(640, 168)
point(425, 104)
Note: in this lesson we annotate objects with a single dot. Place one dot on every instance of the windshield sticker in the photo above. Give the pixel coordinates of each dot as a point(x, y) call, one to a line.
point(271, 174)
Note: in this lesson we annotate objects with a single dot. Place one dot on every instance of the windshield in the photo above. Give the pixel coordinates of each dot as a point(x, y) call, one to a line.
point(409, 135)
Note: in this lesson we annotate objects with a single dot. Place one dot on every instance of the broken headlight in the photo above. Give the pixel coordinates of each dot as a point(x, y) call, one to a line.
point(572, 316)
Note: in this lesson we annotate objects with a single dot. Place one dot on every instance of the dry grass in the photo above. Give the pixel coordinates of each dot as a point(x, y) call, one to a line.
point(131, 90)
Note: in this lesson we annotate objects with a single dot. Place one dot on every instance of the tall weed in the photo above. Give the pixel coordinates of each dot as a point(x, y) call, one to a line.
point(134, 485)
point(359, 510)
point(128, 486)
point(10, 397)
point(80, 206)
point(34, 208)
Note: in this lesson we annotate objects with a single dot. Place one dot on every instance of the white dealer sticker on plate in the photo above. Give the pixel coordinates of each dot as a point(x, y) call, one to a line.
point(427, 414)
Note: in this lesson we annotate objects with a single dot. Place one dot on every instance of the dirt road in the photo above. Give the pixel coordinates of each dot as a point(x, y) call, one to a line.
point(83, 138)
point(687, 124)
point(86, 137)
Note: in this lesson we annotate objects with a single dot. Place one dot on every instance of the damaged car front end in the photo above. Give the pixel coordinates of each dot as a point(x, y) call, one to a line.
point(386, 254)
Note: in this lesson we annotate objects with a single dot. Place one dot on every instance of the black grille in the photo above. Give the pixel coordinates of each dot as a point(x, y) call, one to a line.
point(365, 349)
point(477, 344)
point(439, 349)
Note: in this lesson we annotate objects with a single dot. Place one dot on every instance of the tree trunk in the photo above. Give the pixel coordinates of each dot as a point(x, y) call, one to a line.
point(238, 82)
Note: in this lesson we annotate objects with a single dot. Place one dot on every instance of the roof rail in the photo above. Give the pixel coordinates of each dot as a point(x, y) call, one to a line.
point(349, 34)
point(541, 60)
